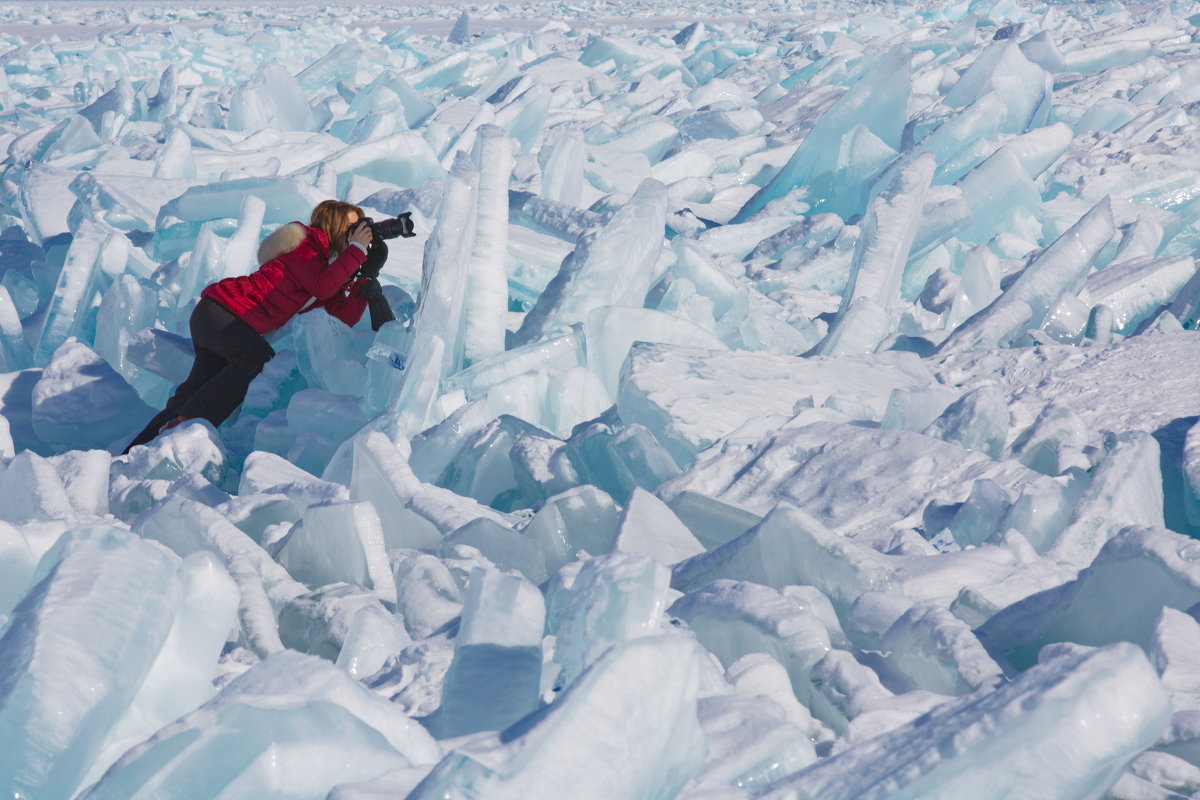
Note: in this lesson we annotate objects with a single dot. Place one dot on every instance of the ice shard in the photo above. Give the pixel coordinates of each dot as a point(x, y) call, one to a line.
point(1138, 288)
point(648, 686)
point(101, 586)
point(583, 518)
point(750, 742)
point(495, 676)
point(1032, 737)
point(94, 257)
point(878, 99)
point(486, 303)
point(888, 231)
point(649, 527)
point(340, 542)
point(612, 266)
point(81, 402)
point(1125, 489)
point(187, 526)
point(613, 599)
point(1117, 598)
point(1004, 68)
point(929, 648)
point(293, 725)
point(1061, 267)
point(734, 618)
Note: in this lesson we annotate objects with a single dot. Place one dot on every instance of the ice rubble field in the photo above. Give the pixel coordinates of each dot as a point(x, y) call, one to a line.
point(795, 403)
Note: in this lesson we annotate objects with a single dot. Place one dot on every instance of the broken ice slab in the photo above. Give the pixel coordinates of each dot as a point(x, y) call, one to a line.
point(331, 357)
point(1175, 652)
point(434, 448)
point(978, 420)
point(80, 402)
point(712, 522)
point(373, 637)
point(161, 352)
point(286, 200)
point(293, 726)
point(129, 305)
point(269, 473)
point(635, 707)
point(877, 99)
point(1137, 288)
point(504, 547)
point(85, 475)
point(339, 542)
point(750, 741)
point(181, 677)
point(414, 514)
point(33, 491)
point(187, 526)
point(319, 621)
point(582, 518)
point(542, 467)
point(636, 453)
point(1024, 86)
point(273, 99)
point(43, 192)
point(612, 330)
point(1061, 267)
point(15, 352)
point(791, 548)
point(648, 527)
point(614, 598)
point(487, 286)
point(915, 408)
point(1066, 728)
point(614, 266)
point(482, 467)
point(929, 648)
point(495, 676)
point(193, 447)
point(17, 563)
point(689, 398)
point(427, 596)
point(1126, 488)
point(1000, 195)
point(336, 416)
point(75, 653)
point(888, 231)
point(734, 618)
point(886, 479)
point(1117, 598)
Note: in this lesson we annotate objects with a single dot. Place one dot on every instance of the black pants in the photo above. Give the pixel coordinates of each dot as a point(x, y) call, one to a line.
point(229, 353)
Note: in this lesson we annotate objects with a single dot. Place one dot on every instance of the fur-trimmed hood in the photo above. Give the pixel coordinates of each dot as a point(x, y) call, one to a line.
point(283, 239)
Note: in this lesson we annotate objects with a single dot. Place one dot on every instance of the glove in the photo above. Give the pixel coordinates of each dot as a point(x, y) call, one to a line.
point(381, 312)
point(370, 290)
point(376, 257)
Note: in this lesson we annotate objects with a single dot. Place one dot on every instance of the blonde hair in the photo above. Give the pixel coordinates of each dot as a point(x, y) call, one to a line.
point(330, 216)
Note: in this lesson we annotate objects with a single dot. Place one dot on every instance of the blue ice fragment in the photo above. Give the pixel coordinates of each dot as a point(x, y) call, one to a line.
point(495, 676)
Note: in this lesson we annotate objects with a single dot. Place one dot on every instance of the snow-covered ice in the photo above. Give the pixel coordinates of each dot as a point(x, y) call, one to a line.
point(783, 401)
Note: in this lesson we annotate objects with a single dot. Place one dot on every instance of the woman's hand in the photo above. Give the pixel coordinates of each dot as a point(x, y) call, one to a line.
point(360, 234)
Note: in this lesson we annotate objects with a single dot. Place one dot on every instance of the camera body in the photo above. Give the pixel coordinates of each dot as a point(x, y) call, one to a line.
point(391, 228)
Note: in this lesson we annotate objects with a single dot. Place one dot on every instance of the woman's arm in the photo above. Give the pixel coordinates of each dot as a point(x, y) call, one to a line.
point(346, 304)
point(323, 280)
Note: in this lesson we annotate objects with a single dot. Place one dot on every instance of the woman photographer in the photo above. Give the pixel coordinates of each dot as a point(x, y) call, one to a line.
point(322, 264)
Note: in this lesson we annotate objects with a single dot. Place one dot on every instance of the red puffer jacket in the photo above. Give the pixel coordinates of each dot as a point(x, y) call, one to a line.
point(278, 290)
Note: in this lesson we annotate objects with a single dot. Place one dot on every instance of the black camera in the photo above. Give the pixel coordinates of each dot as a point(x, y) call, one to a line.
point(401, 225)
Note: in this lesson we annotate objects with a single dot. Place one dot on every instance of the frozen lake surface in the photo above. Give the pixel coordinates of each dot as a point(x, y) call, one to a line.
point(784, 402)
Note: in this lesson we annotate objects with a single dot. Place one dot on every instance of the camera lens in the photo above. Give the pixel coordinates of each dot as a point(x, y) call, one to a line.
point(396, 226)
